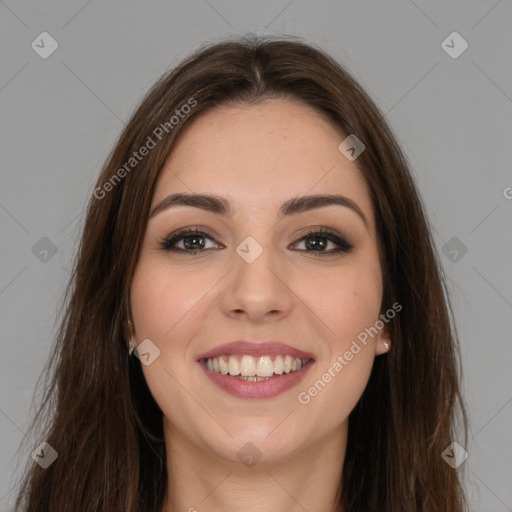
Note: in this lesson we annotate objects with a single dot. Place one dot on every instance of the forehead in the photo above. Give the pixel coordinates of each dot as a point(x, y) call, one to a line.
point(261, 155)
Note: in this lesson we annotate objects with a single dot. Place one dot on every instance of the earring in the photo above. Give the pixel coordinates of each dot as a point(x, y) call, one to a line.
point(386, 345)
point(131, 345)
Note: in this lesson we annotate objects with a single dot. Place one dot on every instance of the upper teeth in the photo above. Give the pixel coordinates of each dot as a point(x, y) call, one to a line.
point(249, 366)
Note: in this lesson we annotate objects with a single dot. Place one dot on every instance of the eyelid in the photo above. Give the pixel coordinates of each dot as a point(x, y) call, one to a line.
point(317, 229)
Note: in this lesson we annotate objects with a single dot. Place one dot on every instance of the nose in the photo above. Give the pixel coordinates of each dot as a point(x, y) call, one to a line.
point(258, 291)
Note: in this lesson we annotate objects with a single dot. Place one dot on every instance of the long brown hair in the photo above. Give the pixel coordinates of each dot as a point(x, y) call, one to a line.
point(97, 411)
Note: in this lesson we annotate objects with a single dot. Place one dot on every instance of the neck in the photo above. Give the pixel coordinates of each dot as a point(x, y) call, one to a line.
point(201, 481)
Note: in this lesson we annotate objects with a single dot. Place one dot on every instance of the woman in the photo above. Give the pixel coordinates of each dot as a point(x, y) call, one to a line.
point(256, 317)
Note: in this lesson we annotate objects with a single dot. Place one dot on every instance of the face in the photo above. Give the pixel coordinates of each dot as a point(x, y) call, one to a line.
point(247, 287)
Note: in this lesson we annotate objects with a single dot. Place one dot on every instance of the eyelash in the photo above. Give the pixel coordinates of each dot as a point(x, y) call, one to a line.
point(343, 245)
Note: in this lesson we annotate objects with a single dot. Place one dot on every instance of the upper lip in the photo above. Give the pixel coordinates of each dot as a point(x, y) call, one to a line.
point(255, 349)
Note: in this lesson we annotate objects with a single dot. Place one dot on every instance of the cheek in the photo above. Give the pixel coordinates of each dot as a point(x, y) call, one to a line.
point(161, 297)
point(346, 301)
point(349, 305)
point(164, 304)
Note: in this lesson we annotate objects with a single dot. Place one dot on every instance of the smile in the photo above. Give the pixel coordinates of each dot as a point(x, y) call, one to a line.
point(255, 369)
point(256, 386)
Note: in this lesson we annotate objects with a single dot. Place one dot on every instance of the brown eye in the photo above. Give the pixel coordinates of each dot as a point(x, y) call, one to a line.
point(317, 241)
point(192, 241)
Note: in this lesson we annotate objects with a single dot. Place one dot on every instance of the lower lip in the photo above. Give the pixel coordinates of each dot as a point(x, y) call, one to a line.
point(261, 389)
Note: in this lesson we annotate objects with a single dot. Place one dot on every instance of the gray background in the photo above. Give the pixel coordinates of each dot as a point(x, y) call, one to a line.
point(61, 115)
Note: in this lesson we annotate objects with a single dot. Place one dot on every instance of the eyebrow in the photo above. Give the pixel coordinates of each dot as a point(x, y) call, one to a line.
point(221, 206)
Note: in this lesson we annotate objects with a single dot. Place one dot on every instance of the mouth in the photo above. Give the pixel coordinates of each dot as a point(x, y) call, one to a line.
point(255, 370)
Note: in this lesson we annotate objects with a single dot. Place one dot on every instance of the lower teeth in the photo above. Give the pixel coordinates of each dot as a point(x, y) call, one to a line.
point(253, 379)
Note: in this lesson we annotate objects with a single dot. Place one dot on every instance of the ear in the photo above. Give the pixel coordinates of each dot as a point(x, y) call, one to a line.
point(383, 341)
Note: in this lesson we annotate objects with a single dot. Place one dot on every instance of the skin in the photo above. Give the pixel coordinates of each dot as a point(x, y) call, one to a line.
point(258, 157)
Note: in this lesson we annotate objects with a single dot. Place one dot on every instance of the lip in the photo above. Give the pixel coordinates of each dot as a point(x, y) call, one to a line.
point(266, 348)
point(262, 389)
